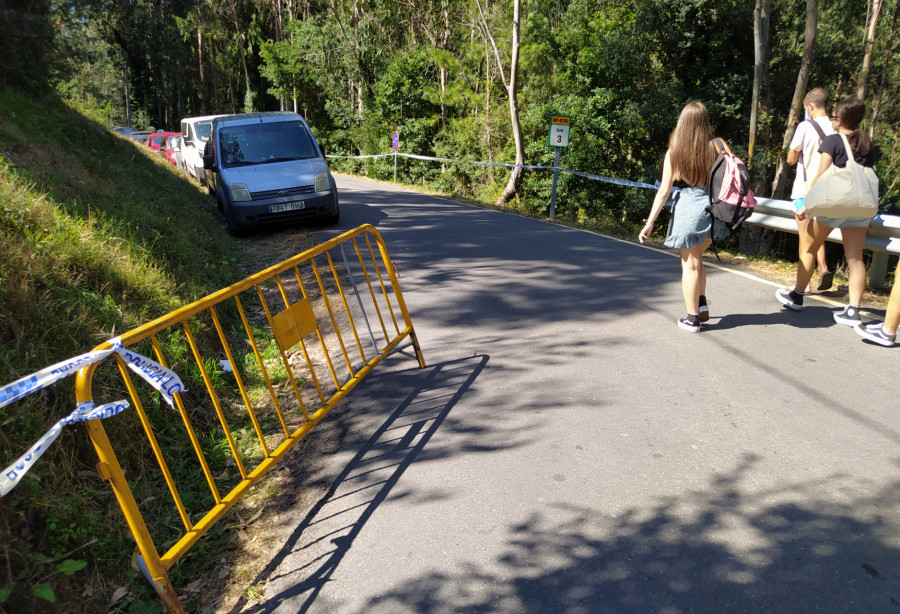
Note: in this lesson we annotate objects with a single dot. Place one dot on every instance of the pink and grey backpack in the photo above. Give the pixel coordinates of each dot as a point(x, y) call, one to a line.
point(731, 200)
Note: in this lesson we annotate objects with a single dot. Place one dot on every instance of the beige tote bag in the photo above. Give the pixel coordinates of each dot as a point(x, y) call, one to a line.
point(851, 191)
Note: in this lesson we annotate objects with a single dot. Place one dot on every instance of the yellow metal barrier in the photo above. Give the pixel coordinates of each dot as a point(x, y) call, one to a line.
point(257, 384)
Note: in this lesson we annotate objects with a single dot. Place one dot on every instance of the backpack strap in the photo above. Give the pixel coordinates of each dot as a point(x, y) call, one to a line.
point(818, 128)
point(821, 134)
point(719, 145)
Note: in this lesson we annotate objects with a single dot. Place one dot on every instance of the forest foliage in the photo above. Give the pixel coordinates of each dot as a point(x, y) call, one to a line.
point(361, 69)
point(73, 217)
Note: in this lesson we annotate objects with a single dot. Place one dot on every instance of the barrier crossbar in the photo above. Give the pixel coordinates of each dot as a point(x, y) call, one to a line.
point(263, 361)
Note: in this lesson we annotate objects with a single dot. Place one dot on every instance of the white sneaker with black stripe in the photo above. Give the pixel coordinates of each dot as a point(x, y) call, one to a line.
point(876, 334)
point(690, 324)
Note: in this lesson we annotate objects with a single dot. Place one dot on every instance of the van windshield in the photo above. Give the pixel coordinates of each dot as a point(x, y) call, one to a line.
point(265, 143)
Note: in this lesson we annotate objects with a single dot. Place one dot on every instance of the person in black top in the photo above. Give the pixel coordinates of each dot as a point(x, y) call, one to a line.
point(848, 114)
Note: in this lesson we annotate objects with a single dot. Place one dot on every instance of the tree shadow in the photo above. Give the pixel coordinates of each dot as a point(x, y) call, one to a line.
point(719, 549)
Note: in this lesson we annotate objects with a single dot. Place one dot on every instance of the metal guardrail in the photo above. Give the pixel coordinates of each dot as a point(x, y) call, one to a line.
point(257, 360)
point(882, 238)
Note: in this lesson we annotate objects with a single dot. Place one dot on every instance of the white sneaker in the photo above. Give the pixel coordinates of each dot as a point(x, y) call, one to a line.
point(703, 316)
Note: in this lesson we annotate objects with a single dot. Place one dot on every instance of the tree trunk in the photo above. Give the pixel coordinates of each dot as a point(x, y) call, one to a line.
point(870, 44)
point(809, 49)
point(515, 175)
point(487, 99)
point(760, 48)
point(127, 97)
point(203, 108)
point(888, 57)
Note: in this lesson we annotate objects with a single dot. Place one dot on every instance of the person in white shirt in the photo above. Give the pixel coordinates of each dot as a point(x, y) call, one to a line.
point(804, 149)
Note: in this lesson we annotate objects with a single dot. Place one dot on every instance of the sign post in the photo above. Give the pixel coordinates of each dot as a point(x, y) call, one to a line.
point(395, 143)
point(558, 138)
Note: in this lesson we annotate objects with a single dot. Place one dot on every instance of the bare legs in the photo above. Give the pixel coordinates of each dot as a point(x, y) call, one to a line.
point(854, 240)
point(892, 317)
point(802, 229)
point(693, 275)
point(814, 238)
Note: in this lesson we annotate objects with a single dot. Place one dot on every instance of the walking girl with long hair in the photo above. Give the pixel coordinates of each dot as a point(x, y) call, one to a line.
point(688, 162)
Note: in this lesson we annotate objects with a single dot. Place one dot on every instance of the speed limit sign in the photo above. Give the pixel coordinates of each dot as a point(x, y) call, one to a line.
point(559, 132)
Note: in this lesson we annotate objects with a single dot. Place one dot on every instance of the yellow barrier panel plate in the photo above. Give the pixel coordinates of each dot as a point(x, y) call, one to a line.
point(294, 323)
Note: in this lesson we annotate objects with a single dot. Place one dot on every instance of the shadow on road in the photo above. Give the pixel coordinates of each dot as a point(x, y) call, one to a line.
point(373, 472)
point(717, 549)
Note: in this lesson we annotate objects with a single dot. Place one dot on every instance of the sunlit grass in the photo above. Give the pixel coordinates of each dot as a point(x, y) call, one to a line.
point(97, 236)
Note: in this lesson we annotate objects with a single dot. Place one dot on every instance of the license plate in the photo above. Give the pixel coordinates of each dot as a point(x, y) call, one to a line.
point(287, 206)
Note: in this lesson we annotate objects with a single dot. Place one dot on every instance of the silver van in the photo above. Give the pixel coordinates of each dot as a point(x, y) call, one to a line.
point(267, 168)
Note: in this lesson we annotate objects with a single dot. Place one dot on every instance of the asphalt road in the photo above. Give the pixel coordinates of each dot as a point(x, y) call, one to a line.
point(569, 449)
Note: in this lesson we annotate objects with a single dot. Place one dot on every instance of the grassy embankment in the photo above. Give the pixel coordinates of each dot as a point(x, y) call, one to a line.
point(97, 236)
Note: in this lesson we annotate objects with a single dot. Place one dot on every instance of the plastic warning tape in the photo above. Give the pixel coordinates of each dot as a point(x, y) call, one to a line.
point(163, 379)
point(622, 182)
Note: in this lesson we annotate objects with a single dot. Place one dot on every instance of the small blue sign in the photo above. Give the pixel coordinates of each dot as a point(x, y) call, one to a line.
point(395, 141)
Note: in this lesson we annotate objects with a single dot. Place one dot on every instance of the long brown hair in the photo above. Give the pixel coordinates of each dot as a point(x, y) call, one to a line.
point(691, 153)
point(850, 112)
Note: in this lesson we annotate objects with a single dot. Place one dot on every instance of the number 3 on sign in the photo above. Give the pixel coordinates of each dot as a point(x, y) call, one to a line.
point(559, 132)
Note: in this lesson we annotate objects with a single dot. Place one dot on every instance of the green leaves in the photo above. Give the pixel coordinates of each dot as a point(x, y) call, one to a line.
point(43, 591)
point(70, 566)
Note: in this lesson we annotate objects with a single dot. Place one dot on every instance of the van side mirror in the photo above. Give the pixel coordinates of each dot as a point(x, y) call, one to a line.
point(208, 162)
point(322, 149)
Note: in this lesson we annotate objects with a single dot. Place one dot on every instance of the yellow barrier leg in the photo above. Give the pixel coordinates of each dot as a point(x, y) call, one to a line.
point(111, 471)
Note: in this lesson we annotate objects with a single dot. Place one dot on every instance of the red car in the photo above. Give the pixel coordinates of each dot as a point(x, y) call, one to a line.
point(172, 144)
point(156, 140)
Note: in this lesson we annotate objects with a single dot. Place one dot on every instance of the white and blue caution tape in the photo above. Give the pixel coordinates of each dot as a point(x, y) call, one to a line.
point(163, 379)
point(622, 182)
point(13, 474)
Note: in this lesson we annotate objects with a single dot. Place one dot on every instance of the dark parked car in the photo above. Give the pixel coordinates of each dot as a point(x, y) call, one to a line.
point(139, 136)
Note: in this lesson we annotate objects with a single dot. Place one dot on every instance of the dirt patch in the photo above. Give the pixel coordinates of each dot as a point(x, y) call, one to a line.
point(265, 520)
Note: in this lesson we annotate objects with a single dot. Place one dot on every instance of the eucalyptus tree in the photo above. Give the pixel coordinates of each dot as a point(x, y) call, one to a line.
point(872, 15)
point(761, 70)
point(809, 49)
point(515, 174)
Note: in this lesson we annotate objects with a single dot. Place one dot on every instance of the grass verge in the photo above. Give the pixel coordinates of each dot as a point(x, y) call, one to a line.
point(97, 235)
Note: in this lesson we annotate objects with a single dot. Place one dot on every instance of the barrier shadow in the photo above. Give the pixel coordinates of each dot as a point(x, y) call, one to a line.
point(367, 481)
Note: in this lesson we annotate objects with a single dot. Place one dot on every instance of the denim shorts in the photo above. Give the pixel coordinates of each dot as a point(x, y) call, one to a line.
point(844, 222)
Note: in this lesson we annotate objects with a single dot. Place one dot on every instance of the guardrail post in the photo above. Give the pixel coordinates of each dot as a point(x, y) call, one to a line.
point(553, 193)
point(878, 269)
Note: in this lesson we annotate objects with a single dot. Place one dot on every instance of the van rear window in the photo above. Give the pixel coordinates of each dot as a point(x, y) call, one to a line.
point(264, 143)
